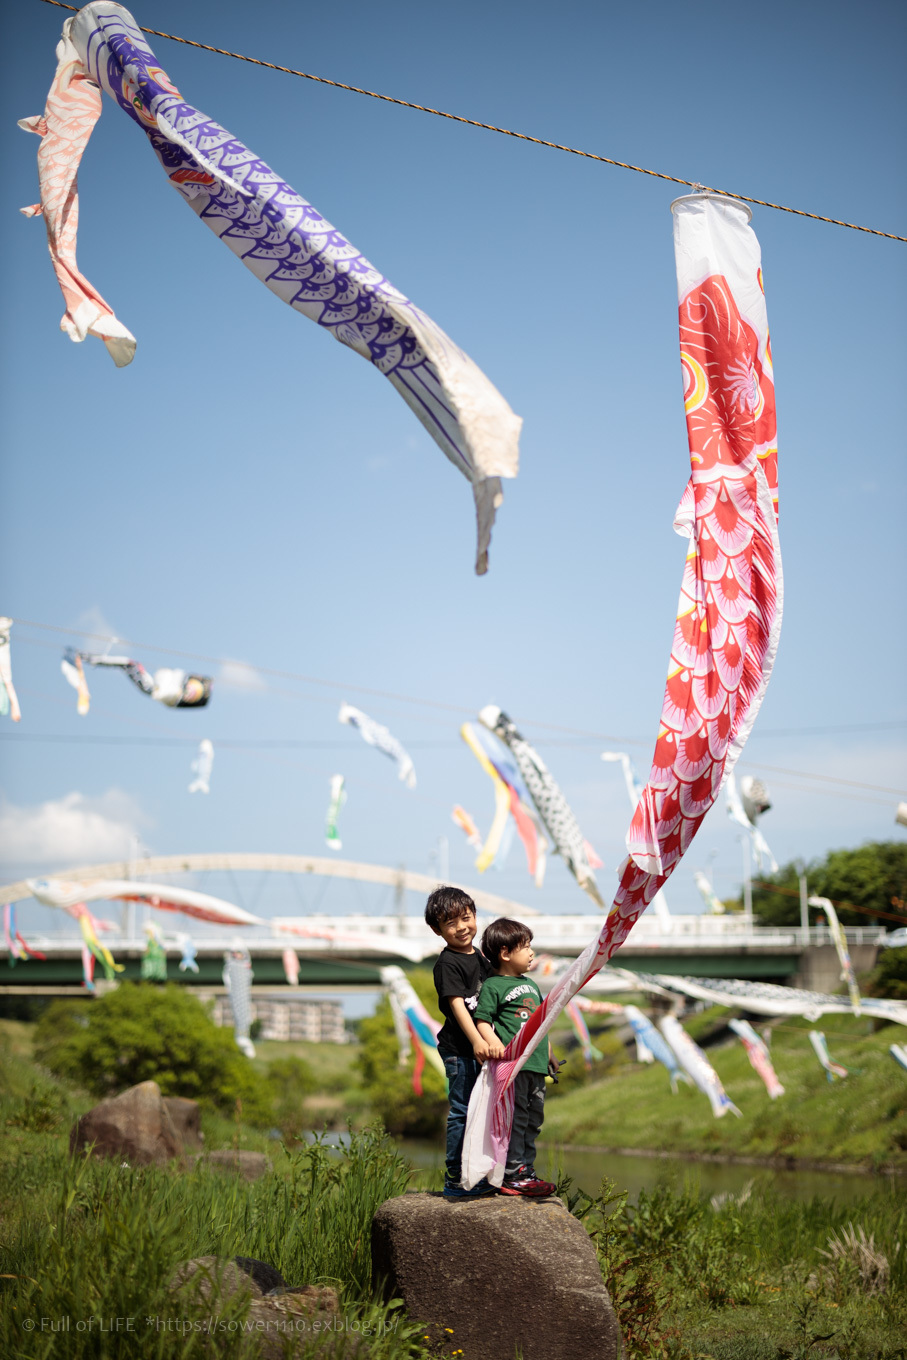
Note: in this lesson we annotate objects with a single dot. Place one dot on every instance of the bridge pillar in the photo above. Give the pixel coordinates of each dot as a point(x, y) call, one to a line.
point(819, 967)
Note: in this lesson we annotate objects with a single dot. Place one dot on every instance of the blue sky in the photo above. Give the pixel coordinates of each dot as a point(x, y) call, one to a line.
point(247, 489)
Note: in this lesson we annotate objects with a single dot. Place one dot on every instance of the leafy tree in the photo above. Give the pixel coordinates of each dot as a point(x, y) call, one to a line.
point(889, 977)
point(139, 1033)
point(388, 1086)
point(874, 877)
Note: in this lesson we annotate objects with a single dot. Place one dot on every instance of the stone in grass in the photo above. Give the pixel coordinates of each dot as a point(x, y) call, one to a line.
point(135, 1126)
point(281, 1318)
point(456, 1263)
point(251, 1166)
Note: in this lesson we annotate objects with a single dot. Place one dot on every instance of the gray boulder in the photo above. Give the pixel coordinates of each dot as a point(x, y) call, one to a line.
point(491, 1275)
point(279, 1322)
point(250, 1166)
point(135, 1126)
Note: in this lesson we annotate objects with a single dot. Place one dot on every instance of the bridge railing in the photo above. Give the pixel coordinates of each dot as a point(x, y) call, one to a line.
point(563, 934)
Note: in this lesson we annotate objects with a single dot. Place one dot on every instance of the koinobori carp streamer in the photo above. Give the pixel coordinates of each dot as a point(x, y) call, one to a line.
point(729, 618)
point(277, 234)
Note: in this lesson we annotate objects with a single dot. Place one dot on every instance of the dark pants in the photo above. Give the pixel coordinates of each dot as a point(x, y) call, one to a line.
point(462, 1074)
point(528, 1117)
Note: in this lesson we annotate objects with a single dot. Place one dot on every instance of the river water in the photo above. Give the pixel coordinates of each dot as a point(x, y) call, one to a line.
point(635, 1173)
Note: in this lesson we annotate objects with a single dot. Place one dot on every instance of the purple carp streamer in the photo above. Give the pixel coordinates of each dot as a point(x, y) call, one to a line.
point(302, 258)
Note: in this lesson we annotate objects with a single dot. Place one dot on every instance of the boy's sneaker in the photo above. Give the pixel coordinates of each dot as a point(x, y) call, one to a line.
point(454, 1191)
point(524, 1181)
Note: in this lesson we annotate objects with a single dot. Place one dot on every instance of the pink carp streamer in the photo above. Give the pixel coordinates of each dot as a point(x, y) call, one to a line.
point(758, 1054)
point(73, 107)
point(728, 622)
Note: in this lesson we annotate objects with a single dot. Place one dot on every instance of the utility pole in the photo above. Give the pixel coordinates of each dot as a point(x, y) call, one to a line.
point(747, 884)
point(804, 910)
point(400, 898)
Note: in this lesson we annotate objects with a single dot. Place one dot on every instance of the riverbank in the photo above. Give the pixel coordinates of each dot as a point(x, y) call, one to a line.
point(859, 1122)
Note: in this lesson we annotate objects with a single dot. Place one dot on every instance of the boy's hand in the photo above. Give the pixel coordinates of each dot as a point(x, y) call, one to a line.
point(554, 1067)
point(487, 1048)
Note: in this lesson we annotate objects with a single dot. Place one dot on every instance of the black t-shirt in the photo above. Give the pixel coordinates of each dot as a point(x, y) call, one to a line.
point(458, 975)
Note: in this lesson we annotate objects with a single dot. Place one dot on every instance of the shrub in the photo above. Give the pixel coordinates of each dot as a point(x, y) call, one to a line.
point(139, 1033)
point(388, 1086)
point(290, 1080)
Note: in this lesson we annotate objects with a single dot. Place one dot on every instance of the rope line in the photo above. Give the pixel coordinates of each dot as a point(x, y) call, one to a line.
point(504, 132)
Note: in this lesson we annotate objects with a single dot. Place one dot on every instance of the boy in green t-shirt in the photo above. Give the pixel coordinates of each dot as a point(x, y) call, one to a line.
point(506, 1002)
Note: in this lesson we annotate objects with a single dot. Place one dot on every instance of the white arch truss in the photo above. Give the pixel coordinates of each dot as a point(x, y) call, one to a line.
point(316, 865)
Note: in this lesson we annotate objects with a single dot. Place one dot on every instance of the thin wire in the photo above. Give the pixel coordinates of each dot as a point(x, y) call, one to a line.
point(411, 699)
point(505, 132)
point(307, 679)
point(826, 778)
point(760, 886)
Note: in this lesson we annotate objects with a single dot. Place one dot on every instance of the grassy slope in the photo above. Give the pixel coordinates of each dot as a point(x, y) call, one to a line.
point(862, 1119)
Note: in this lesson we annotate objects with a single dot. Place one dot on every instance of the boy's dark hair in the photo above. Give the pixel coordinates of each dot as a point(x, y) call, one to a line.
point(446, 904)
point(504, 934)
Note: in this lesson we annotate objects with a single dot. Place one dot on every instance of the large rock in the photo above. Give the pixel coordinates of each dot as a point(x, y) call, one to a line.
point(491, 1275)
point(135, 1126)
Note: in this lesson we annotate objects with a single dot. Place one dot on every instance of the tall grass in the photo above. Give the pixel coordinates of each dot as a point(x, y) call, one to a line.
point(752, 1277)
point(84, 1238)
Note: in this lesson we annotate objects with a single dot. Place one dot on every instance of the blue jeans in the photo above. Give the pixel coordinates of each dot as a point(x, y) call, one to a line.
point(462, 1074)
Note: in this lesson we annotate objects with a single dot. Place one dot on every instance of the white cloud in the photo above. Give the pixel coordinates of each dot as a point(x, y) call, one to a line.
point(95, 629)
point(239, 675)
point(71, 830)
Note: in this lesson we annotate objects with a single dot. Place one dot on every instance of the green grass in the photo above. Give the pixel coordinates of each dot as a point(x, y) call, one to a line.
point(87, 1238)
point(691, 1280)
point(860, 1120)
point(747, 1279)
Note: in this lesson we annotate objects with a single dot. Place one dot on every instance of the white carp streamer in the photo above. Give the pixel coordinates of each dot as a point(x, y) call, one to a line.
point(377, 735)
point(697, 1066)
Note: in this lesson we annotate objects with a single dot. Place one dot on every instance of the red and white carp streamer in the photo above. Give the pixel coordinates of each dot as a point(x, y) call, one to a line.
point(65, 893)
point(728, 622)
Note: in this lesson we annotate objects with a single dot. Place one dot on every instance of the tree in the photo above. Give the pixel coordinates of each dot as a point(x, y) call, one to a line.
point(874, 877)
point(140, 1032)
point(388, 1086)
point(889, 977)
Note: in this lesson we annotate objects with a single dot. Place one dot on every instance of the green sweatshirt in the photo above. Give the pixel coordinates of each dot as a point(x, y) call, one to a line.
point(506, 1003)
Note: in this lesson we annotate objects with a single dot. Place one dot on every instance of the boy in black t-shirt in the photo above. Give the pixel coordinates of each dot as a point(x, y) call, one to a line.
point(459, 974)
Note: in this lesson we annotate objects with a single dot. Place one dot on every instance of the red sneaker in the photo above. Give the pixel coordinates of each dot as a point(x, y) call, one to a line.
point(525, 1182)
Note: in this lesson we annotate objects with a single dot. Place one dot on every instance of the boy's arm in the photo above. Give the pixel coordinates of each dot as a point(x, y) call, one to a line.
point(486, 1030)
point(482, 1046)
